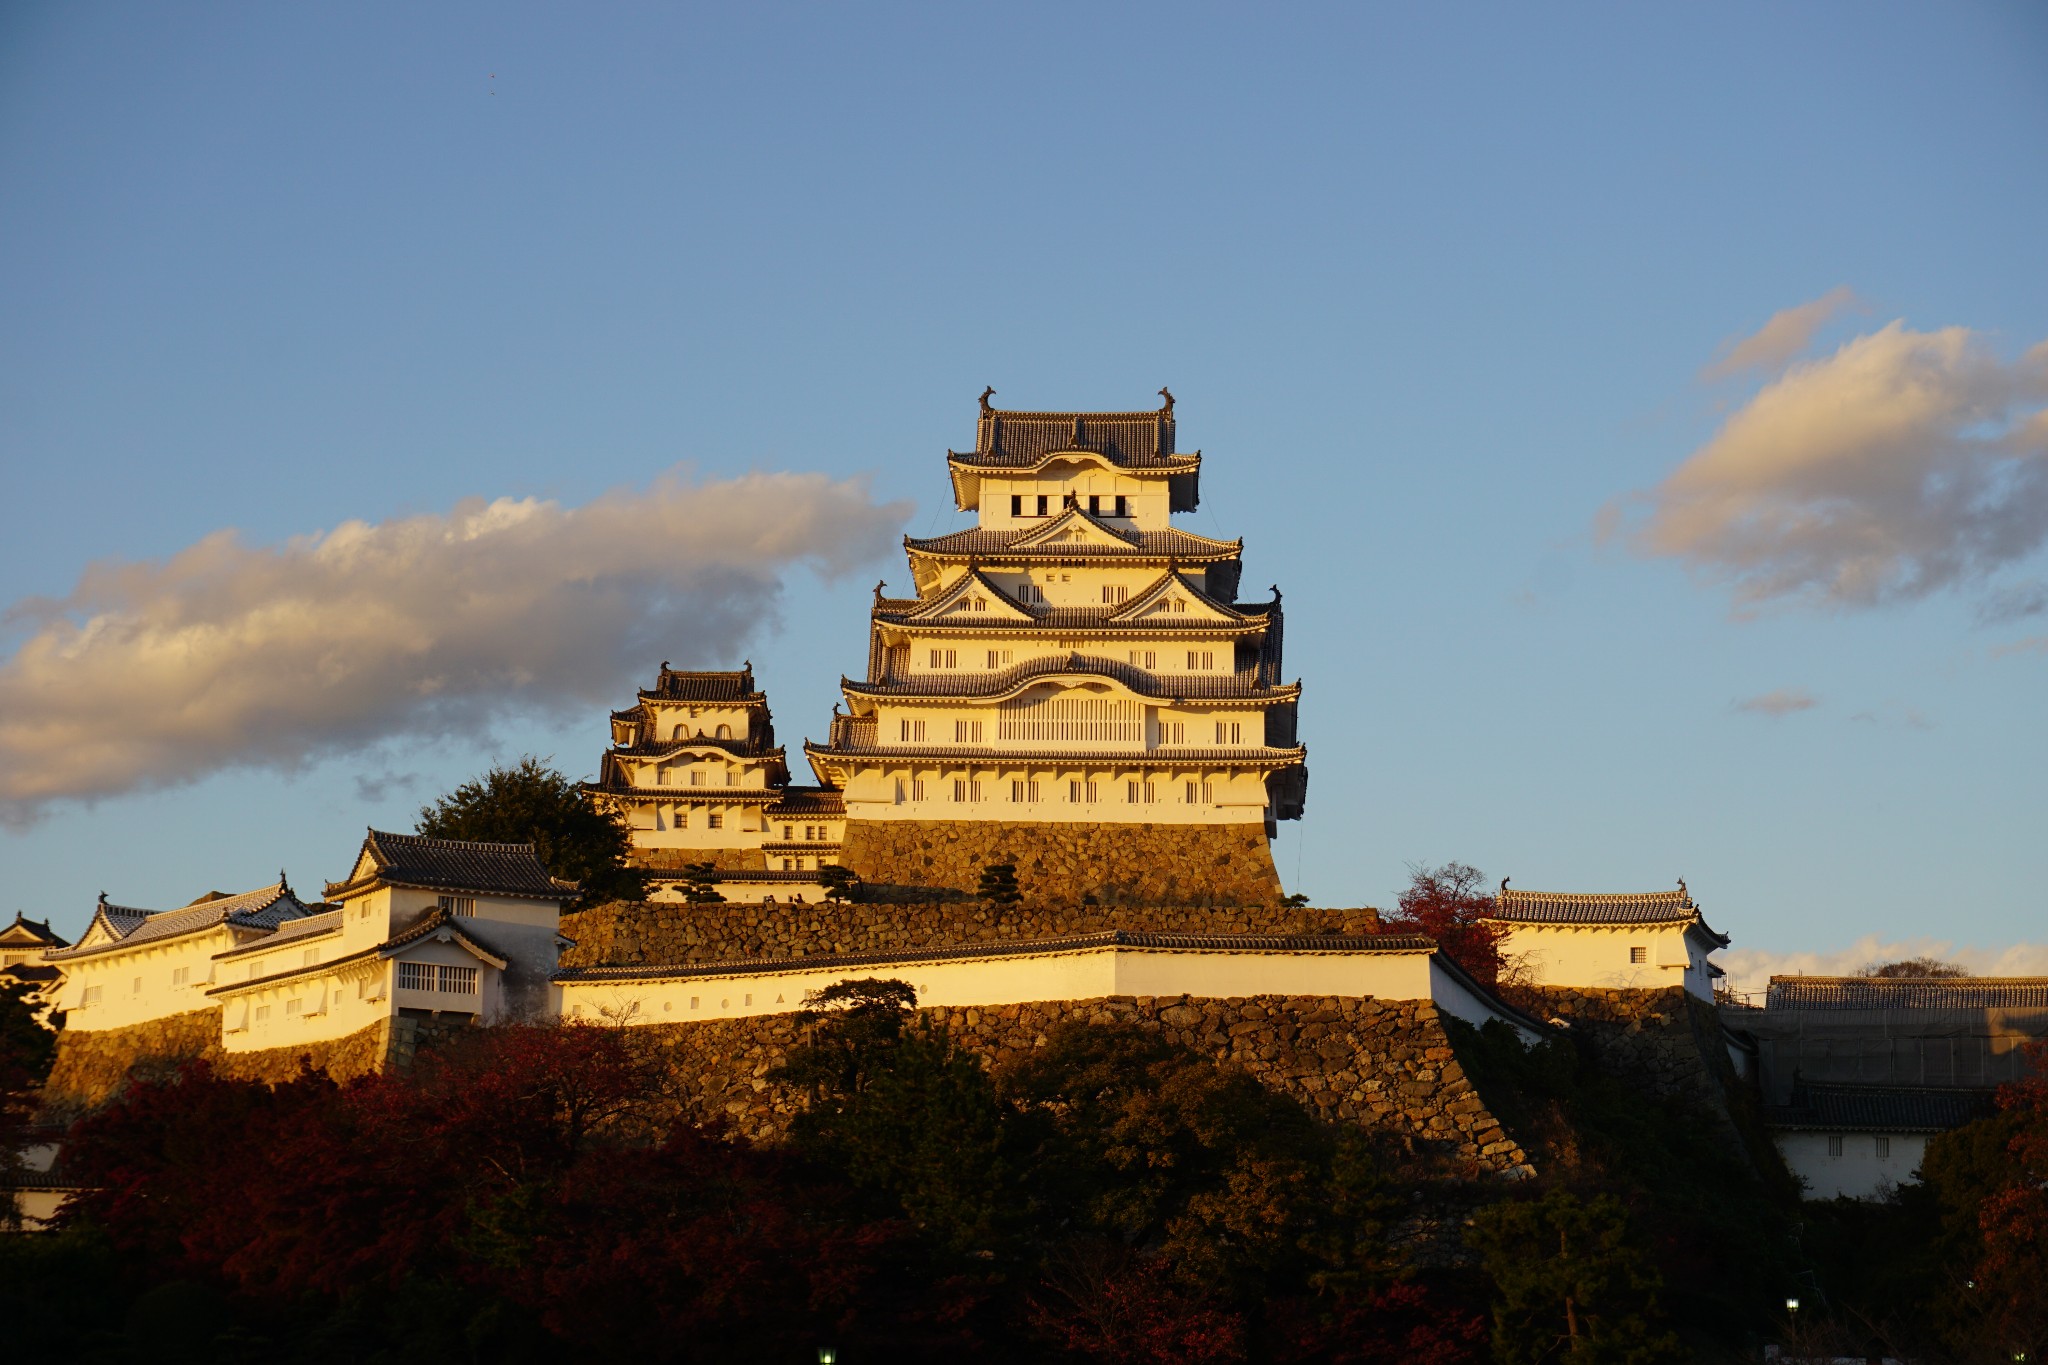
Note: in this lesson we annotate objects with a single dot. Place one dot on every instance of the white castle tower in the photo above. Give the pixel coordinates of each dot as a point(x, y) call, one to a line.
point(1072, 670)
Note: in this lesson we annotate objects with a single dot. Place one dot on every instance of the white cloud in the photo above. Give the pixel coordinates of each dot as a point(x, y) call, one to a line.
point(229, 654)
point(1789, 331)
point(1782, 702)
point(2037, 644)
point(1903, 463)
point(1750, 969)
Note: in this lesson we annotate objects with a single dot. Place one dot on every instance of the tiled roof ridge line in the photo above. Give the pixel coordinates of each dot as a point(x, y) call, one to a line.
point(1101, 938)
point(440, 842)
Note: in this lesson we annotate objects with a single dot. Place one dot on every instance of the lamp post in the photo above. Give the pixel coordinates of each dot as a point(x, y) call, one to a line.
point(827, 1355)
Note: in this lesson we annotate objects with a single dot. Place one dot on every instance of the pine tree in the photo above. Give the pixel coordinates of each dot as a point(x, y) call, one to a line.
point(700, 885)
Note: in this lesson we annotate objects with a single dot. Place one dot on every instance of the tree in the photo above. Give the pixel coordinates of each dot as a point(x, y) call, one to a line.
point(700, 885)
point(27, 1047)
point(531, 803)
point(999, 884)
point(1570, 1285)
point(1448, 904)
point(839, 881)
point(1912, 967)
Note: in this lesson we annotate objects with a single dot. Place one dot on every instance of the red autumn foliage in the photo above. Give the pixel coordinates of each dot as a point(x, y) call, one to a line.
point(1449, 904)
point(2014, 1219)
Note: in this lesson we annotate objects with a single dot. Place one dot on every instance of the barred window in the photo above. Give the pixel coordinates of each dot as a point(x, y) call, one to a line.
point(661, 775)
point(1145, 658)
point(945, 658)
point(1199, 793)
point(1227, 731)
point(1082, 791)
point(714, 821)
point(1639, 955)
point(1069, 718)
point(682, 819)
point(1173, 732)
point(1139, 793)
point(459, 905)
point(1113, 593)
point(999, 658)
point(696, 777)
point(917, 789)
point(965, 789)
point(458, 980)
point(415, 976)
point(1023, 791)
point(967, 732)
point(429, 976)
point(1884, 1148)
point(1835, 1145)
point(910, 731)
point(1199, 659)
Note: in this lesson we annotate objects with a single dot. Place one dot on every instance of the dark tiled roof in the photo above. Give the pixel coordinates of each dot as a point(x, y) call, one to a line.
point(814, 802)
point(657, 748)
point(675, 684)
point(429, 923)
point(456, 865)
point(1868, 1108)
point(1906, 993)
point(261, 909)
point(25, 929)
point(1167, 544)
point(1108, 938)
point(1570, 907)
point(849, 745)
point(1134, 440)
point(1243, 686)
point(311, 925)
point(31, 971)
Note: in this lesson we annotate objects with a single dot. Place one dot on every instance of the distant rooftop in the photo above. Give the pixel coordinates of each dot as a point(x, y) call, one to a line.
point(1906, 993)
point(1879, 1108)
point(454, 865)
point(1006, 437)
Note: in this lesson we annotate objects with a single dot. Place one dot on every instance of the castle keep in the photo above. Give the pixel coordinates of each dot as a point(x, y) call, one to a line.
point(1074, 688)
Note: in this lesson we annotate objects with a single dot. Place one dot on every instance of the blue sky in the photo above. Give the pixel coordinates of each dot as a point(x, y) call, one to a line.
point(1434, 286)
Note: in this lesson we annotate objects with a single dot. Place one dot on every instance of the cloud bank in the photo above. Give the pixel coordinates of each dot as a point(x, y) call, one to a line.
point(1789, 331)
point(1903, 463)
point(1750, 969)
point(237, 655)
point(1783, 702)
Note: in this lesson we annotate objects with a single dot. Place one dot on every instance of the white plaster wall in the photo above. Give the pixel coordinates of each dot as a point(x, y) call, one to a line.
point(1858, 1173)
point(1146, 496)
point(1597, 955)
point(873, 792)
point(1083, 974)
point(153, 964)
point(331, 1005)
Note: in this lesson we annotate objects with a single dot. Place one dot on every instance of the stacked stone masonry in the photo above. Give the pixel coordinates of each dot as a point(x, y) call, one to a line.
point(93, 1067)
point(1135, 864)
point(1386, 1064)
point(674, 860)
point(633, 933)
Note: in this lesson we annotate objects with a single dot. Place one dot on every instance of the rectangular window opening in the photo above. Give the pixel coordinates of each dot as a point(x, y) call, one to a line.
point(1639, 956)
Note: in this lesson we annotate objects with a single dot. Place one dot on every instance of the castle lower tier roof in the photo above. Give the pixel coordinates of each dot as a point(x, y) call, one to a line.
point(684, 685)
point(1877, 1108)
point(1906, 993)
point(984, 543)
point(1248, 756)
point(810, 802)
point(26, 932)
point(1108, 938)
point(687, 796)
point(415, 860)
point(662, 748)
point(964, 686)
point(1080, 620)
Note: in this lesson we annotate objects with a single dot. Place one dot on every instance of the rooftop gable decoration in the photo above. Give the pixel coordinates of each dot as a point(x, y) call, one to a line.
point(1577, 908)
point(1014, 440)
point(119, 926)
point(31, 933)
point(423, 863)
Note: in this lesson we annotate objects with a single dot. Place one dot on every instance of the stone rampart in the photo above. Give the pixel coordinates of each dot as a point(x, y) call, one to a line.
point(674, 860)
point(1380, 1063)
point(1666, 1041)
point(1124, 864)
point(93, 1067)
point(627, 933)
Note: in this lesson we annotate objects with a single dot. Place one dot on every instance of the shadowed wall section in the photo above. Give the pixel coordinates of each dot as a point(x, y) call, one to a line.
point(1134, 864)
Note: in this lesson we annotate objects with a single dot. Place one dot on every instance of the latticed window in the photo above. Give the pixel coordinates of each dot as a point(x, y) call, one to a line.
point(967, 732)
point(1145, 658)
point(911, 730)
point(1099, 719)
point(1884, 1148)
point(1639, 956)
point(1173, 732)
point(945, 658)
point(459, 905)
point(966, 789)
point(1140, 793)
point(1835, 1145)
point(714, 821)
point(1113, 593)
point(1227, 731)
point(1201, 659)
point(1083, 791)
point(917, 789)
point(432, 976)
point(999, 658)
point(1199, 793)
point(1023, 791)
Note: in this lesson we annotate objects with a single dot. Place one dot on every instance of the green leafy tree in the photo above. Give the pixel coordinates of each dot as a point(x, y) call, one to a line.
point(839, 882)
point(531, 803)
point(700, 884)
point(1570, 1284)
point(27, 1047)
point(999, 884)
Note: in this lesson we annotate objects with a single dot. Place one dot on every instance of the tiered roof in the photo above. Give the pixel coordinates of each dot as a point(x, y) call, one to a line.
point(1025, 543)
point(423, 863)
point(1880, 1108)
point(1161, 686)
point(31, 933)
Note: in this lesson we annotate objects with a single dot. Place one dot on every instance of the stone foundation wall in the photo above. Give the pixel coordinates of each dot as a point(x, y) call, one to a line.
point(1380, 1063)
point(1667, 1041)
point(91, 1068)
point(1145, 864)
point(661, 933)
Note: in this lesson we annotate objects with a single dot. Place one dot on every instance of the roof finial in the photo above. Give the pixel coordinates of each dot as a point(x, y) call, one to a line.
point(1681, 889)
point(880, 583)
point(985, 396)
point(1503, 886)
point(284, 882)
point(1167, 394)
point(664, 665)
point(1276, 593)
point(103, 898)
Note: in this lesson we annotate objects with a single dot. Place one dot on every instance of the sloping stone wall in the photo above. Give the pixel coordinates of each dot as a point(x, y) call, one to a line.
point(93, 1067)
point(676, 859)
point(1666, 1041)
point(661, 933)
point(1380, 1063)
point(1121, 864)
